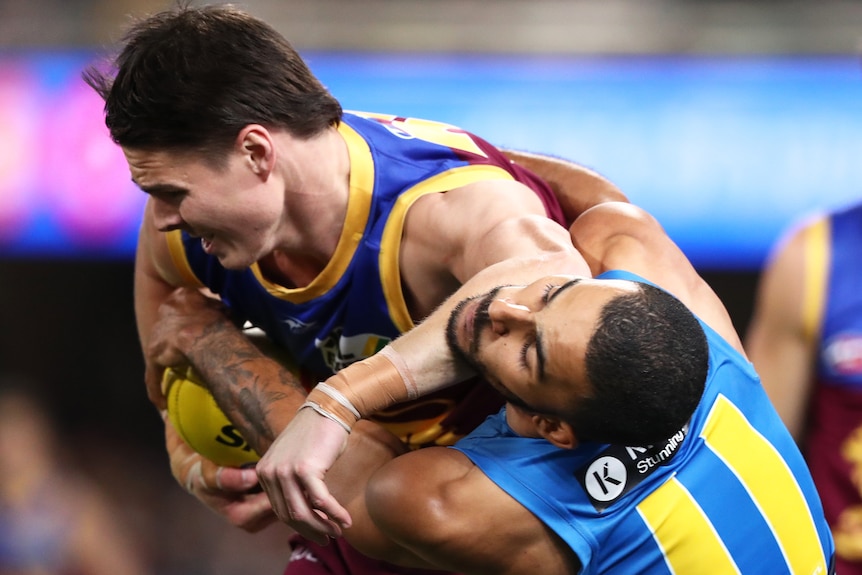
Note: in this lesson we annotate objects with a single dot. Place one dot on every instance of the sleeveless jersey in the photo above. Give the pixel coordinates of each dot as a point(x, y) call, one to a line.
point(355, 306)
point(833, 441)
point(728, 493)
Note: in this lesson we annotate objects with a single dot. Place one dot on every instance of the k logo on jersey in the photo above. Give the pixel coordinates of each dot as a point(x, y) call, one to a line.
point(618, 469)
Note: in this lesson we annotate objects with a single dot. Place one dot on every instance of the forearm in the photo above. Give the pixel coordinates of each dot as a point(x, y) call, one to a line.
point(576, 187)
point(257, 393)
point(368, 449)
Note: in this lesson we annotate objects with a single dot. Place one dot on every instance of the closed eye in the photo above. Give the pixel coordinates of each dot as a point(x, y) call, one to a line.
point(547, 293)
point(525, 349)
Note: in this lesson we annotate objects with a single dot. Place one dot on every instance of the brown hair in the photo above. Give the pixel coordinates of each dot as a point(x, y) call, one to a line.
point(192, 78)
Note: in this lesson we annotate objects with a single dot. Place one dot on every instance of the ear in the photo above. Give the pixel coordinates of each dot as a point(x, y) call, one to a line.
point(257, 147)
point(556, 431)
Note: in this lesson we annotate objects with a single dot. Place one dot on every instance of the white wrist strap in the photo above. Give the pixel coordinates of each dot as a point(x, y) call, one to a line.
point(339, 397)
point(327, 414)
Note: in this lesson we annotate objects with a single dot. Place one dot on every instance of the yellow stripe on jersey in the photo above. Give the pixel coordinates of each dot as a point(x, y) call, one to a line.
point(675, 520)
point(776, 493)
point(817, 259)
point(358, 210)
point(390, 241)
point(181, 262)
point(374, 344)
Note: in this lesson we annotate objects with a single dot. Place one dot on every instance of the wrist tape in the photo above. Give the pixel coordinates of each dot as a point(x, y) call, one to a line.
point(363, 388)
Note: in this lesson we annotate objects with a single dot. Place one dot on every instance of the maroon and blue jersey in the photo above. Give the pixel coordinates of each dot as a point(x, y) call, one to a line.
point(833, 444)
point(355, 306)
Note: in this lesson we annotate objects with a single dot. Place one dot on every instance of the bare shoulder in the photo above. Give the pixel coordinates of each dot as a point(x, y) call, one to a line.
point(616, 235)
point(436, 502)
point(469, 228)
point(575, 186)
point(791, 268)
point(481, 204)
point(787, 258)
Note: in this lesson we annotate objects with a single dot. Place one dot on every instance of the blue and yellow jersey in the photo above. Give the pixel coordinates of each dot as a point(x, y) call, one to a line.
point(833, 319)
point(355, 306)
point(728, 493)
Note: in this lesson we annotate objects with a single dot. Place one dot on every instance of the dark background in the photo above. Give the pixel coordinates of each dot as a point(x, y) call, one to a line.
point(69, 329)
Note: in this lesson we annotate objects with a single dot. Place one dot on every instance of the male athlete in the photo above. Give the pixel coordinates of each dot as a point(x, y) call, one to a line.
point(636, 436)
point(332, 231)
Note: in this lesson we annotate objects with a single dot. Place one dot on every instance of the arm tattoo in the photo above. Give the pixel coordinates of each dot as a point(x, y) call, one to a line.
point(258, 394)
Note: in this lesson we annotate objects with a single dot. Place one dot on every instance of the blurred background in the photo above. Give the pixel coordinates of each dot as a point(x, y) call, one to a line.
point(729, 120)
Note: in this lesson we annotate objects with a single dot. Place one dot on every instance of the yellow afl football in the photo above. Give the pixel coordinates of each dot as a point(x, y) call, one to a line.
point(198, 419)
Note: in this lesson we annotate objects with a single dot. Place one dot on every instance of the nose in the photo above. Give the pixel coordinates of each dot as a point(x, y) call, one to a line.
point(506, 316)
point(165, 215)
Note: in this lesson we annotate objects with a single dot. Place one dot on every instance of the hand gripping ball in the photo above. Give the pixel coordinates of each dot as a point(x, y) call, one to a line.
point(201, 423)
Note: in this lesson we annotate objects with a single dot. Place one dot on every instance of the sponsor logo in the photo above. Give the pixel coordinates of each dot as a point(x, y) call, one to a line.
point(618, 469)
point(302, 554)
point(230, 437)
point(297, 326)
point(842, 354)
point(339, 351)
point(605, 478)
point(399, 132)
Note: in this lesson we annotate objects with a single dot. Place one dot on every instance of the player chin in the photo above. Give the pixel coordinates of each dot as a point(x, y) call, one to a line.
point(231, 256)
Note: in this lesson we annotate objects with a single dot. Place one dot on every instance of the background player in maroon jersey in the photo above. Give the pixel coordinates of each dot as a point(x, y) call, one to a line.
point(805, 340)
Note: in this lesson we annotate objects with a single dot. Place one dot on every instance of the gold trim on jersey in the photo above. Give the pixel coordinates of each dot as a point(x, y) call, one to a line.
point(177, 250)
point(358, 210)
point(816, 269)
point(390, 241)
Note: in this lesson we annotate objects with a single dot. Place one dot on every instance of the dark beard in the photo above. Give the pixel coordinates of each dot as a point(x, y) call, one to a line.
point(481, 321)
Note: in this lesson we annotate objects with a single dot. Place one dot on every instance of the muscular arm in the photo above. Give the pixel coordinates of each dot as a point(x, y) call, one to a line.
point(612, 235)
point(184, 327)
point(514, 248)
point(154, 280)
point(434, 509)
point(779, 344)
point(622, 236)
point(576, 187)
point(181, 326)
point(482, 235)
point(435, 505)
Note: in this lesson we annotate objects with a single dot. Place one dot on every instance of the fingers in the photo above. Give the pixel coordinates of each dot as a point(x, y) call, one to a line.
point(194, 477)
point(292, 473)
point(230, 478)
point(253, 514)
point(317, 515)
point(153, 381)
point(322, 501)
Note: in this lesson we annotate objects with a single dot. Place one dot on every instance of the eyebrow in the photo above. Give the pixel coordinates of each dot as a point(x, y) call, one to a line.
point(156, 189)
point(540, 340)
